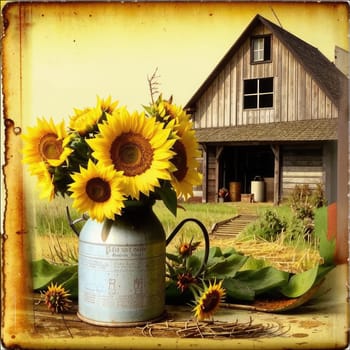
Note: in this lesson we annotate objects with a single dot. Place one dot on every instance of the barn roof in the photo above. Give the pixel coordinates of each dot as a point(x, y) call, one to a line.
point(303, 130)
point(327, 75)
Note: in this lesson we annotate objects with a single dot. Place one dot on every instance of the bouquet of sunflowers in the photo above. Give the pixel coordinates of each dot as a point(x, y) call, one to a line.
point(108, 158)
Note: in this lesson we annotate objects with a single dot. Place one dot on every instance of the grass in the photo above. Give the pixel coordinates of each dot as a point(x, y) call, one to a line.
point(52, 233)
point(51, 216)
point(55, 240)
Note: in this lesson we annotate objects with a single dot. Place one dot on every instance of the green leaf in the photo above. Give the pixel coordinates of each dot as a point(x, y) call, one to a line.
point(227, 251)
point(44, 273)
point(174, 257)
point(322, 271)
point(237, 289)
point(213, 253)
point(193, 263)
point(221, 267)
point(300, 283)
point(174, 296)
point(326, 246)
point(71, 285)
point(263, 280)
point(168, 196)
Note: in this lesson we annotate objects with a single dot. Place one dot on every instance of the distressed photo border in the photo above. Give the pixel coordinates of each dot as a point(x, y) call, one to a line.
point(17, 321)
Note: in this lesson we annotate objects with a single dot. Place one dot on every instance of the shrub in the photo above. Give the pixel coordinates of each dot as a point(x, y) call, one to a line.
point(268, 227)
point(304, 201)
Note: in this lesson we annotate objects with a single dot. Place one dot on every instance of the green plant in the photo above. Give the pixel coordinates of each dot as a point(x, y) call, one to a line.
point(318, 197)
point(303, 201)
point(268, 227)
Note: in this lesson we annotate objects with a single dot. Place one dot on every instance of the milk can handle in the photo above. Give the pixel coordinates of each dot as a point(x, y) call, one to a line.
point(206, 240)
point(72, 223)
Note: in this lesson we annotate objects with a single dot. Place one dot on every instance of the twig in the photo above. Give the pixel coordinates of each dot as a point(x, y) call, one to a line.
point(153, 84)
point(214, 329)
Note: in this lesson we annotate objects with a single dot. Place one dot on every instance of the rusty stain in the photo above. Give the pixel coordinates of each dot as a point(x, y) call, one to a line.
point(15, 249)
point(310, 324)
point(300, 335)
point(10, 124)
point(17, 130)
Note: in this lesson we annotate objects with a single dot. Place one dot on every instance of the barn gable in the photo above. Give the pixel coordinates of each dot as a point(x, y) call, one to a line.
point(301, 89)
point(272, 96)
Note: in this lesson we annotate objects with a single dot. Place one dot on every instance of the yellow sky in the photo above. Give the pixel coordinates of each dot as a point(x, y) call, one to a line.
point(72, 52)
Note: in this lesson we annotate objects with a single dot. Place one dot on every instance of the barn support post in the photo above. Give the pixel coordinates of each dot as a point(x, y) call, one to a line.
point(276, 181)
point(342, 241)
point(219, 150)
point(205, 174)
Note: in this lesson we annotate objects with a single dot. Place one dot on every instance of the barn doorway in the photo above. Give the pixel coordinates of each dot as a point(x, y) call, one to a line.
point(245, 163)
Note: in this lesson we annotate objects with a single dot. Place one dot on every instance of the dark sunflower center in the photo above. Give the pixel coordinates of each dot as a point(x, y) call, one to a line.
point(180, 160)
point(50, 147)
point(131, 153)
point(211, 301)
point(98, 190)
point(184, 248)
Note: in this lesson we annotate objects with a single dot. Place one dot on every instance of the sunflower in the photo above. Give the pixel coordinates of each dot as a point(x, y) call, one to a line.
point(209, 300)
point(84, 120)
point(186, 174)
point(46, 142)
point(185, 249)
point(185, 281)
point(57, 298)
point(106, 105)
point(98, 191)
point(138, 146)
point(45, 181)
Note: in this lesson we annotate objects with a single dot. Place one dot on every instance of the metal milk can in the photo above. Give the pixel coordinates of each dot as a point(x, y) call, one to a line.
point(121, 269)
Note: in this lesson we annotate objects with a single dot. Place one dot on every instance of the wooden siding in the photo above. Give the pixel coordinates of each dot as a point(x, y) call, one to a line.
point(296, 95)
point(302, 166)
point(211, 175)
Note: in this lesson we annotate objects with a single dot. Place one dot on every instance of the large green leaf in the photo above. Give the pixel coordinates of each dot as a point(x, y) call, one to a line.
point(238, 290)
point(300, 283)
point(213, 253)
point(193, 263)
point(263, 280)
point(44, 273)
point(224, 267)
point(71, 285)
point(326, 246)
point(168, 196)
point(322, 271)
point(174, 296)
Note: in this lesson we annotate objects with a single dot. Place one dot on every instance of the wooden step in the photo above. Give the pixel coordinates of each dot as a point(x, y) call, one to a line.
point(233, 226)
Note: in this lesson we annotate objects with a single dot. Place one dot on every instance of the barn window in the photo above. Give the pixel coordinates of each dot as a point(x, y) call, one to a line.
point(261, 49)
point(258, 93)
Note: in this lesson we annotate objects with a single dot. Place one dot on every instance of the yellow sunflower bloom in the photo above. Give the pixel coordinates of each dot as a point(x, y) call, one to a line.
point(97, 190)
point(186, 174)
point(209, 301)
point(84, 120)
point(56, 298)
point(106, 105)
point(46, 142)
point(138, 146)
point(45, 181)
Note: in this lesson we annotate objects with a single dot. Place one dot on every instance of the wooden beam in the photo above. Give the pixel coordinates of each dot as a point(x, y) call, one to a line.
point(343, 216)
point(276, 181)
point(218, 153)
point(205, 174)
point(219, 150)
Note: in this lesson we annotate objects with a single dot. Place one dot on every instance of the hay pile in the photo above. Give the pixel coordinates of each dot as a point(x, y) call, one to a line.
point(282, 256)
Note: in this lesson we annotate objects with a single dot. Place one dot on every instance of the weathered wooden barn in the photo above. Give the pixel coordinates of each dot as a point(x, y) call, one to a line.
point(269, 109)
